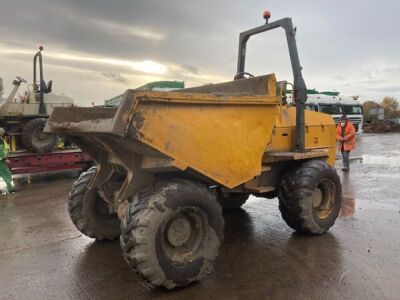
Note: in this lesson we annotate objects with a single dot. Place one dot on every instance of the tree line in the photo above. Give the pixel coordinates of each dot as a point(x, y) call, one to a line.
point(390, 106)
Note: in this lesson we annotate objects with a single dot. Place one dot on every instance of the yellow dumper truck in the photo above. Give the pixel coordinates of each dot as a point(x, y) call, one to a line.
point(169, 162)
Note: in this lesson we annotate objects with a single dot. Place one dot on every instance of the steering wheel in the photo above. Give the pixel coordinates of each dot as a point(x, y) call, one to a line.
point(240, 74)
point(21, 79)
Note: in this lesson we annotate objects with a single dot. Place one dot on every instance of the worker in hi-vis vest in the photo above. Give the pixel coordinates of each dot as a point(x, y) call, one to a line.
point(346, 136)
point(4, 170)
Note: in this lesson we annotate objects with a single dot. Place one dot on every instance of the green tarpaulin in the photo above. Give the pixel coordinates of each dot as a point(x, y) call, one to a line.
point(152, 86)
point(159, 85)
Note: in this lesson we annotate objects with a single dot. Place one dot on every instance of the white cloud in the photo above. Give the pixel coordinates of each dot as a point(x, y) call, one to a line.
point(129, 30)
point(135, 41)
point(145, 66)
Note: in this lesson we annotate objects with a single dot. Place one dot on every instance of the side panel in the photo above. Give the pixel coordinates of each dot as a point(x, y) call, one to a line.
point(320, 132)
point(224, 142)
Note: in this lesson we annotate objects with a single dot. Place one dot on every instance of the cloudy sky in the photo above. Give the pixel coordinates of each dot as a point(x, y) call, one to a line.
point(95, 49)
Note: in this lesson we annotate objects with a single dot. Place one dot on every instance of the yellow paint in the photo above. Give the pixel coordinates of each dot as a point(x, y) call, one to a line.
point(223, 136)
point(225, 142)
point(320, 132)
point(13, 144)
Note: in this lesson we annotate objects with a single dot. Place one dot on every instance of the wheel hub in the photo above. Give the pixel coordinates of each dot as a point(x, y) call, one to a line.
point(317, 197)
point(323, 199)
point(179, 231)
point(39, 137)
point(185, 234)
point(42, 136)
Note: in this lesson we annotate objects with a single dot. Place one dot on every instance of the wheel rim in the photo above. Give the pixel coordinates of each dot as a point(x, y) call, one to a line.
point(323, 199)
point(179, 231)
point(39, 138)
point(185, 235)
point(100, 207)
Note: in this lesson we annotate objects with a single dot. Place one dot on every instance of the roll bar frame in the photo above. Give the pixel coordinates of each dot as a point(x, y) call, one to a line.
point(299, 85)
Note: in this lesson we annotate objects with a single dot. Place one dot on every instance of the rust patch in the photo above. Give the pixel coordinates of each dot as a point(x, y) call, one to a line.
point(137, 124)
point(138, 120)
point(135, 133)
point(125, 117)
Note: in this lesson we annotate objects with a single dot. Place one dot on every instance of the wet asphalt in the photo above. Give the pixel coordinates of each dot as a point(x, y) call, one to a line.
point(43, 256)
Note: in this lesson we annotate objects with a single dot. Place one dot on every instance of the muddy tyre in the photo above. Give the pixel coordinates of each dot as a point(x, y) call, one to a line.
point(89, 212)
point(232, 201)
point(170, 234)
point(35, 140)
point(310, 197)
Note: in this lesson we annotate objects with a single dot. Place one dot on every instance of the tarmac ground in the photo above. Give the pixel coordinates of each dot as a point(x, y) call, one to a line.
point(43, 256)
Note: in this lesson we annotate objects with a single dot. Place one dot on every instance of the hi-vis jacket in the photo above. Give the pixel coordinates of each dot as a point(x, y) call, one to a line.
point(4, 149)
point(349, 141)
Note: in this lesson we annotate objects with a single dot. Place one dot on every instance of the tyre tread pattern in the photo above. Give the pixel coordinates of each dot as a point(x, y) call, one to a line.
point(76, 212)
point(145, 207)
point(297, 186)
point(27, 132)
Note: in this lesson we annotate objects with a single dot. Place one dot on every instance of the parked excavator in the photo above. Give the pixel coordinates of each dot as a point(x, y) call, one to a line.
point(24, 117)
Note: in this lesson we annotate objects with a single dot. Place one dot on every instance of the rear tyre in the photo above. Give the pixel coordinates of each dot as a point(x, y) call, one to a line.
point(89, 212)
point(232, 201)
point(35, 140)
point(310, 197)
point(171, 233)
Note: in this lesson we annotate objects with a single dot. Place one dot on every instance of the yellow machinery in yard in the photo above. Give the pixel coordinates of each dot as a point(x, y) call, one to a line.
point(168, 162)
point(24, 117)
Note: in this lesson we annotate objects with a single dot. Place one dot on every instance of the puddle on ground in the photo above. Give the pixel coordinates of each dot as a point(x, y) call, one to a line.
point(348, 207)
point(386, 160)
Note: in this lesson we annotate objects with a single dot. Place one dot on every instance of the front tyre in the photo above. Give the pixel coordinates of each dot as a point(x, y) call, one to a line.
point(310, 197)
point(89, 212)
point(171, 233)
point(35, 140)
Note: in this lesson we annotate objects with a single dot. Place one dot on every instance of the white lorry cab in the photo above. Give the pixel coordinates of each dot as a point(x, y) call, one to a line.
point(333, 104)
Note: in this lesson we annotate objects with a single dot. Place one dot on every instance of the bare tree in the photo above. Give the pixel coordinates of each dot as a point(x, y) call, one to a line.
point(367, 106)
point(390, 105)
